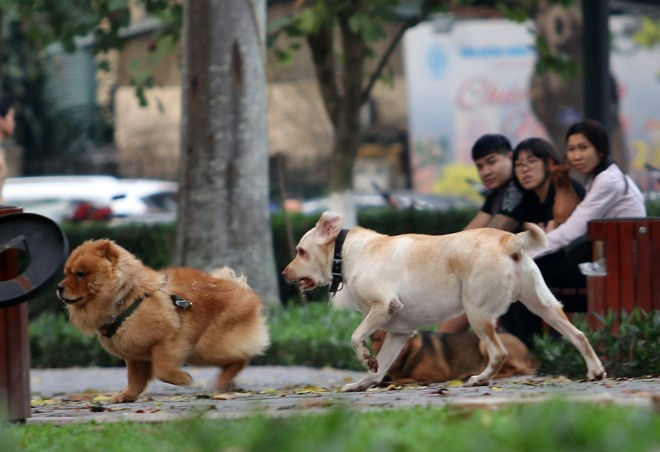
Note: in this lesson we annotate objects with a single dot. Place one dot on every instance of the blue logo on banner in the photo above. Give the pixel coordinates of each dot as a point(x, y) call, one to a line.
point(569, 115)
point(437, 61)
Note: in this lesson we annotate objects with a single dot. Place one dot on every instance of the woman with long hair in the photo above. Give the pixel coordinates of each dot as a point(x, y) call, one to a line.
point(610, 192)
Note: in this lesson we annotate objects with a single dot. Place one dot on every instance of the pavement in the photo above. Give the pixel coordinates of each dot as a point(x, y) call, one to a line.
point(81, 394)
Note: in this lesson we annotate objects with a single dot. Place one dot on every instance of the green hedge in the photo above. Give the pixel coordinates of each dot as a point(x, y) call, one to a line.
point(629, 350)
point(318, 336)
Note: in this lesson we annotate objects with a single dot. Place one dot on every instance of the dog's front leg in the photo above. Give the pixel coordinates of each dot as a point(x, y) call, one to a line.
point(139, 374)
point(391, 348)
point(377, 316)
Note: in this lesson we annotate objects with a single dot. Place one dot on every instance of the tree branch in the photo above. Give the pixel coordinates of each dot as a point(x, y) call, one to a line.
point(375, 75)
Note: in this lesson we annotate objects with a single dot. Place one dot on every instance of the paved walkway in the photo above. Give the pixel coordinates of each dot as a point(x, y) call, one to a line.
point(80, 395)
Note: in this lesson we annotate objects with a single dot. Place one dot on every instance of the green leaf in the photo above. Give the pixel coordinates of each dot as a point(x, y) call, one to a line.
point(359, 22)
point(373, 31)
point(307, 21)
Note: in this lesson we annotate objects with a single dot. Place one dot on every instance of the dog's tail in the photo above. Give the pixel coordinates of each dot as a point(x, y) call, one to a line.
point(229, 274)
point(532, 238)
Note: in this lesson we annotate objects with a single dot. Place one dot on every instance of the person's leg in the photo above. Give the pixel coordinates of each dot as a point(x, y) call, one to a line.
point(559, 271)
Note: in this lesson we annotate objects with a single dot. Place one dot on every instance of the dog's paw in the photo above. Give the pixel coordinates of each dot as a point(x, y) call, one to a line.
point(597, 375)
point(353, 387)
point(228, 387)
point(122, 397)
point(363, 383)
point(474, 380)
point(177, 377)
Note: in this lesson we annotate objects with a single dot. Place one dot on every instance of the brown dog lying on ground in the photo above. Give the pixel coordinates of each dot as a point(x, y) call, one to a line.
point(157, 321)
point(431, 357)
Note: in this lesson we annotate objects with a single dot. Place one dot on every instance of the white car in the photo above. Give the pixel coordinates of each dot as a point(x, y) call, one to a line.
point(78, 198)
point(404, 199)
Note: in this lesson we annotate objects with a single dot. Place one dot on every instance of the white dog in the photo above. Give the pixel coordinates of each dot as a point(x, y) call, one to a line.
point(405, 282)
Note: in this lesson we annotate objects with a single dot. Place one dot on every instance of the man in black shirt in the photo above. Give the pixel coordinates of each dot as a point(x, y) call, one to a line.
point(492, 155)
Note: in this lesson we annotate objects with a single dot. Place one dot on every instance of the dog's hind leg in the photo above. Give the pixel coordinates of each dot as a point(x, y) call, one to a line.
point(225, 382)
point(544, 304)
point(388, 353)
point(167, 358)
point(497, 352)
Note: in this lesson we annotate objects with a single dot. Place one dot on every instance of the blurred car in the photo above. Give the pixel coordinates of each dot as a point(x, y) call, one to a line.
point(399, 199)
point(79, 198)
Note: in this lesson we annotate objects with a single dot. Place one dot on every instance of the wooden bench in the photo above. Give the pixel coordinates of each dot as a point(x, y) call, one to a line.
point(631, 248)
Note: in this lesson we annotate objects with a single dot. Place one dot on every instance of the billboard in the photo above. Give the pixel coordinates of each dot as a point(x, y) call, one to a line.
point(467, 78)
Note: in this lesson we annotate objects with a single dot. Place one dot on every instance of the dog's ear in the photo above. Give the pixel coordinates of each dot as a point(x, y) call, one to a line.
point(329, 225)
point(107, 250)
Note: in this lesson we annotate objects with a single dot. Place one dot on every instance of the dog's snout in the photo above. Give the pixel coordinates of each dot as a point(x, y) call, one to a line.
point(60, 289)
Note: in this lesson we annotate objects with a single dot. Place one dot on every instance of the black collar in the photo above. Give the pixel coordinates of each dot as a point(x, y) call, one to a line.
point(336, 263)
point(109, 329)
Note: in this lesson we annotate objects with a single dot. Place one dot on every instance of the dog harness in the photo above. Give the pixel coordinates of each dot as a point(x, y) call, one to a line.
point(337, 278)
point(109, 329)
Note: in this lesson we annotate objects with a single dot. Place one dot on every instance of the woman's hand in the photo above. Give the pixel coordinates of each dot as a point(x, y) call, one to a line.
point(550, 226)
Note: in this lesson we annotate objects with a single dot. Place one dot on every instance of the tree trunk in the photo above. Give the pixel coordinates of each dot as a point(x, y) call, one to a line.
point(223, 201)
point(347, 122)
point(557, 100)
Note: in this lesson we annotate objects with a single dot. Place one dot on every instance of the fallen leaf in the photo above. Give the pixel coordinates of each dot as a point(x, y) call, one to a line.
point(393, 387)
point(223, 397)
point(440, 391)
point(147, 410)
point(79, 397)
point(42, 402)
point(454, 383)
point(269, 391)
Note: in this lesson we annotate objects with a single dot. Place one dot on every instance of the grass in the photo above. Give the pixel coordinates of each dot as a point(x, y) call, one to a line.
point(557, 425)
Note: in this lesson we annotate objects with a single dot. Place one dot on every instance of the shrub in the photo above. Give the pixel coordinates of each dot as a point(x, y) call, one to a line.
point(313, 335)
point(631, 350)
point(54, 342)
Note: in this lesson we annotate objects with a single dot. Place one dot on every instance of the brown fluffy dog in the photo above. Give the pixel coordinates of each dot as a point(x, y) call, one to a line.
point(431, 357)
point(157, 321)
